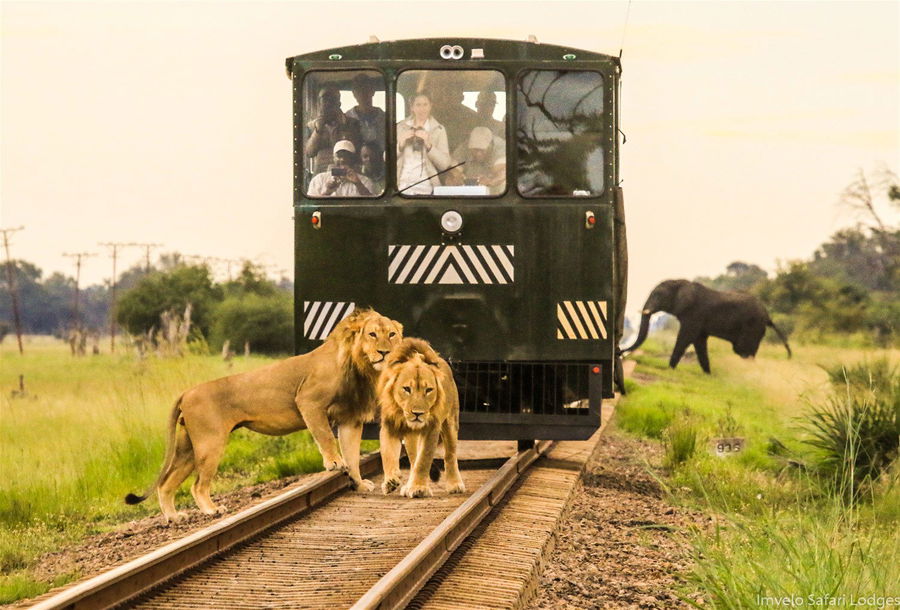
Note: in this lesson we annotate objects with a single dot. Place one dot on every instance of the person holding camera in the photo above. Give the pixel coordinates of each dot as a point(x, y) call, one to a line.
point(484, 161)
point(342, 179)
point(330, 126)
point(422, 150)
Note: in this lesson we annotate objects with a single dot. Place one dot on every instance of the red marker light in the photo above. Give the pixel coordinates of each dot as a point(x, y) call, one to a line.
point(315, 220)
point(595, 370)
point(592, 220)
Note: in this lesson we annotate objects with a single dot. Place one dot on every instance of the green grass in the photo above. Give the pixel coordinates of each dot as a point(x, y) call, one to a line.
point(779, 531)
point(92, 429)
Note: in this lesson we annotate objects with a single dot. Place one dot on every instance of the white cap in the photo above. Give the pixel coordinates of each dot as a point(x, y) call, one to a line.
point(480, 138)
point(345, 145)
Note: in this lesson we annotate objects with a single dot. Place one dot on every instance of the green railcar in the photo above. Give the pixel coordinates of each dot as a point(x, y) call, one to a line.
point(469, 188)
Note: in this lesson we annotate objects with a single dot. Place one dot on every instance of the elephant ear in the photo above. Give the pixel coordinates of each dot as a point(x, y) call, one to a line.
point(686, 297)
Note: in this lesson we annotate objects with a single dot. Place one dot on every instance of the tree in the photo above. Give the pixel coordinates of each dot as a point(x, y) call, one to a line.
point(738, 276)
point(140, 308)
point(263, 321)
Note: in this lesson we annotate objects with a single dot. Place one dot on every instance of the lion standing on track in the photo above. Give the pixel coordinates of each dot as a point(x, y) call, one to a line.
point(332, 385)
point(419, 405)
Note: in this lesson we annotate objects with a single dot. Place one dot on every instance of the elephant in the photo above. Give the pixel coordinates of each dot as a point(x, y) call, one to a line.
point(702, 313)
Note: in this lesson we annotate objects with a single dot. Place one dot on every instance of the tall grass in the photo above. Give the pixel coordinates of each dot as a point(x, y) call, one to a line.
point(90, 430)
point(779, 532)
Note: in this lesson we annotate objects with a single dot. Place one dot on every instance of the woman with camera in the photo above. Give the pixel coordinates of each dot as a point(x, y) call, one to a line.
point(422, 149)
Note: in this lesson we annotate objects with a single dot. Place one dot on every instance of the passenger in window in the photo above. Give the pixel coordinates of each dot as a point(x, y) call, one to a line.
point(342, 179)
point(372, 157)
point(422, 149)
point(371, 119)
point(484, 155)
point(329, 127)
point(486, 103)
point(456, 117)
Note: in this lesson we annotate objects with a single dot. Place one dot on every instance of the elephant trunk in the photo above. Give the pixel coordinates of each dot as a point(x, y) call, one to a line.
point(642, 331)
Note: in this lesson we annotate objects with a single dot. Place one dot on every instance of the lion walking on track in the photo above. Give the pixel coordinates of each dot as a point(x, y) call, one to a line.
point(419, 406)
point(332, 385)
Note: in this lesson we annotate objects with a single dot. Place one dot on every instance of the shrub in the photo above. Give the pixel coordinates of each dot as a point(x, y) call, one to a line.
point(266, 322)
point(681, 439)
point(857, 430)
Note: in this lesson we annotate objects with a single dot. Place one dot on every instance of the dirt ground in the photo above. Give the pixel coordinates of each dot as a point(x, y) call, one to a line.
point(621, 545)
point(135, 538)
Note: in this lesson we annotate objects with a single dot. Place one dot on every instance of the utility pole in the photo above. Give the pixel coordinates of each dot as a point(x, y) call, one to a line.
point(11, 280)
point(147, 247)
point(114, 252)
point(77, 256)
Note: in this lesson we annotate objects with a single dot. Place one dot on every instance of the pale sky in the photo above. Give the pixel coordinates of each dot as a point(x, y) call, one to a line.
point(171, 121)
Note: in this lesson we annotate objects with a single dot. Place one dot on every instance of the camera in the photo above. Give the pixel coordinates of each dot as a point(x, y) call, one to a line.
point(417, 143)
point(338, 171)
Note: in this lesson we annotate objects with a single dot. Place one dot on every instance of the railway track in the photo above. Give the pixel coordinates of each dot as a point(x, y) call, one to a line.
point(316, 546)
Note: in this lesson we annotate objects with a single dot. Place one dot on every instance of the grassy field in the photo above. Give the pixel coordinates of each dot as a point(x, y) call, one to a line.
point(780, 528)
point(88, 431)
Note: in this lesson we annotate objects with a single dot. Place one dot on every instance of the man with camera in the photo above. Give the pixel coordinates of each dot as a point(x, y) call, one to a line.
point(329, 126)
point(484, 158)
point(342, 179)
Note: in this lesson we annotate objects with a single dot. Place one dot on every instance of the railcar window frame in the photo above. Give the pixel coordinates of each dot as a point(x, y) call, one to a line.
point(603, 116)
point(302, 107)
point(392, 159)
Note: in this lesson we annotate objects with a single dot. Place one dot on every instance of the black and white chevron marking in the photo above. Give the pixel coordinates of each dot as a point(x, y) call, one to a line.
point(320, 317)
point(488, 264)
point(581, 320)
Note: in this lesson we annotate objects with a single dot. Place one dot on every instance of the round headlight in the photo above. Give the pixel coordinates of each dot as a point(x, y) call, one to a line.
point(451, 221)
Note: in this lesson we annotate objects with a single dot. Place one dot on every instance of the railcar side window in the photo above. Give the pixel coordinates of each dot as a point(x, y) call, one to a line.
point(344, 133)
point(559, 133)
point(451, 133)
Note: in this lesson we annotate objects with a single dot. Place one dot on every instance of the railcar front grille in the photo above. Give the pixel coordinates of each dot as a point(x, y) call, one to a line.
point(539, 388)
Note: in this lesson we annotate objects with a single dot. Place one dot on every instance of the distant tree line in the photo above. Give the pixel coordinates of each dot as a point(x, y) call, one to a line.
point(249, 309)
point(851, 283)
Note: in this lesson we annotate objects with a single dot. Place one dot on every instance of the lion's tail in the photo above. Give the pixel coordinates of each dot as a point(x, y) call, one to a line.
point(167, 461)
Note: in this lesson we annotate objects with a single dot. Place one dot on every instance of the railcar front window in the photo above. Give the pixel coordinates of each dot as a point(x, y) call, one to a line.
point(344, 133)
point(559, 133)
point(451, 133)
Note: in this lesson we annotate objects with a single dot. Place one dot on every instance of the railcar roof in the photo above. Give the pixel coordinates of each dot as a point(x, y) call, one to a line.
point(426, 49)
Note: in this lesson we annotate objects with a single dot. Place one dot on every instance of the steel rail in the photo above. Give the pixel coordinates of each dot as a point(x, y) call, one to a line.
point(398, 587)
point(148, 571)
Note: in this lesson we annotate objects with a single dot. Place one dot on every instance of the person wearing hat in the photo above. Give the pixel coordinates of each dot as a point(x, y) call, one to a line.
point(341, 179)
point(372, 120)
point(484, 155)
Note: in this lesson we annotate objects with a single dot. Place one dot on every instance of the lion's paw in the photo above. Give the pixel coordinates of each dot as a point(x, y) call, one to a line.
point(176, 517)
point(418, 491)
point(339, 465)
point(215, 510)
point(456, 488)
point(390, 485)
point(364, 485)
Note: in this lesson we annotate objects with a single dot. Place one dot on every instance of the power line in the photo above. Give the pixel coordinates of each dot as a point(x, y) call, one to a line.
point(11, 281)
point(147, 247)
point(77, 256)
point(114, 246)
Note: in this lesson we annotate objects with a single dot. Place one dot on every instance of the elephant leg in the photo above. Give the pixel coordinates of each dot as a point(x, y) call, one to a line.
point(685, 337)
point(702, 354)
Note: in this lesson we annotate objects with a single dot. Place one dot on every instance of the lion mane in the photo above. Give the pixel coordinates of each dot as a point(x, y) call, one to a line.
point(419, 406)
point(333, 385)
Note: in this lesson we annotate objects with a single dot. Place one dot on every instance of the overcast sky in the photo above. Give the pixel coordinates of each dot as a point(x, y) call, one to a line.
point(171, 122)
